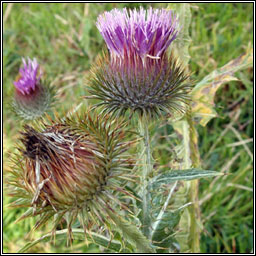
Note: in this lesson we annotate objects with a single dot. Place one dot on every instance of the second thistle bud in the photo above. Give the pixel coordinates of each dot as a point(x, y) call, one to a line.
point(32, 97)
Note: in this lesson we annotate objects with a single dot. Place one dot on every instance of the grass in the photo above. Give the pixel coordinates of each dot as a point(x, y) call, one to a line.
point(65, 40)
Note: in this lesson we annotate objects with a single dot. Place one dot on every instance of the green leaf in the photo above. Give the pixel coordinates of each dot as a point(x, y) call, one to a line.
point(78, 234)
point(132, 234)
point(204, 92)
point(164, 231)
point(189, 174)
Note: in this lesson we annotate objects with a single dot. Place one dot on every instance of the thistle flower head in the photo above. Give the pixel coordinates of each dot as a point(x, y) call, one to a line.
point(32, 97)
point(145, 33)
point(138, 74)
point(72, 168)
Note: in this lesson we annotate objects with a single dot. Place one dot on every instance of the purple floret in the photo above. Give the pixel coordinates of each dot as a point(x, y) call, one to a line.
point(146, 33)
point(28, 77)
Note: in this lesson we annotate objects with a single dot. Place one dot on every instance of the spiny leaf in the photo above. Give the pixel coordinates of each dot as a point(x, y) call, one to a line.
point(204, 92)
point(164, 229)
point(189, 174)
point(132, 234)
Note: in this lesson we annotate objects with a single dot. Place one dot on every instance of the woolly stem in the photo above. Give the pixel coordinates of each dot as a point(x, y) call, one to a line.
point(193, 193)
point(194, 211)
point(191, 158)
point(147, 166)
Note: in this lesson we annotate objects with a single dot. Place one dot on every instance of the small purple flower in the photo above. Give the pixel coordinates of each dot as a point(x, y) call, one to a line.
point(146, 33)
point(28, 77)
point(32, 97)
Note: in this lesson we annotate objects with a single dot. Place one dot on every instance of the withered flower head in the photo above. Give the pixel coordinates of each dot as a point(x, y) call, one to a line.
point(32, 97)
point(73, 168)
point(138, 74)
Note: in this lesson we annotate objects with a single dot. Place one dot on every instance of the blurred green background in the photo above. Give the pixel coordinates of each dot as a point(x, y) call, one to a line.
point(64, 39)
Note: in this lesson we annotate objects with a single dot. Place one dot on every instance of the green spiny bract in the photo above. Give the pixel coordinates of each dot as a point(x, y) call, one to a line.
point(35, 105)
point(73, 168)
point(152, 87)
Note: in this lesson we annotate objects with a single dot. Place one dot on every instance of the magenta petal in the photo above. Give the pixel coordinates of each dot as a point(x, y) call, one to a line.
point(143, 32)
point(28, 76)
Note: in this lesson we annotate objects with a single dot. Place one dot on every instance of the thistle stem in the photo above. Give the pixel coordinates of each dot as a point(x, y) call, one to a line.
point(191, 159)
point(195, 217)
point(147, 166)
point(193, 193)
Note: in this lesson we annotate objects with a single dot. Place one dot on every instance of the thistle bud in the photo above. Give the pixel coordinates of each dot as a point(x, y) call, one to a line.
point(32, 98)
point(138, 74)
point(72, 168)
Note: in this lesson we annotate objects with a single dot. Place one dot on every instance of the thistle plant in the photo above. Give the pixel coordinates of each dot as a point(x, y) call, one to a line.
point(140, 75)
point(91, 174)
point(33, 96)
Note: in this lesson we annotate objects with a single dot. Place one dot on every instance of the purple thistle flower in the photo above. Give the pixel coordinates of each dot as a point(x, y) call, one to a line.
point(139, 75)
point(28, 77)
point(146, 33)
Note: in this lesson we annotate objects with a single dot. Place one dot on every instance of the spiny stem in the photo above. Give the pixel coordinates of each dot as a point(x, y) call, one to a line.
point(147, 167)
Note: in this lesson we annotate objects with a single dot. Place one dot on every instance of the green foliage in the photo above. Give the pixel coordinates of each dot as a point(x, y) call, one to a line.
point(132, 234)
point(164, 231)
